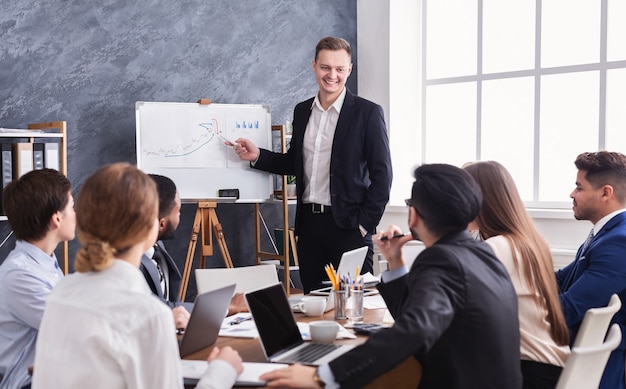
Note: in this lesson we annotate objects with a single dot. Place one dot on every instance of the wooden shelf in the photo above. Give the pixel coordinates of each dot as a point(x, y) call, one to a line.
point(38, 131)
point(283, 258)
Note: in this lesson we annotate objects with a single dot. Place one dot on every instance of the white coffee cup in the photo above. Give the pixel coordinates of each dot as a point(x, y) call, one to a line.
point(312, 305)
point(323, 331)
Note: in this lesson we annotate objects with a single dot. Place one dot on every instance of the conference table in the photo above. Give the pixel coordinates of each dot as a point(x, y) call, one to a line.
point(405, 375)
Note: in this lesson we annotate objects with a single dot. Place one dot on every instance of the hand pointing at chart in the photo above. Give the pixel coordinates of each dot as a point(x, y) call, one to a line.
point(245, 149)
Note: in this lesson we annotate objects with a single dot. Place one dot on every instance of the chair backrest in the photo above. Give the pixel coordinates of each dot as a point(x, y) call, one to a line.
point(596, 322)
point(585, 365)
point(246, 278)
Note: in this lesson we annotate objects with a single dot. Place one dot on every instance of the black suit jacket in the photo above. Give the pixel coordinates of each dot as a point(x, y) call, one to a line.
point(455, 312)
point(151, 274)
point(360, 165)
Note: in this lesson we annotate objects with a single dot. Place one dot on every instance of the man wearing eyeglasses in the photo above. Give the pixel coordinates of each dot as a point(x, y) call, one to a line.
point(455, 310)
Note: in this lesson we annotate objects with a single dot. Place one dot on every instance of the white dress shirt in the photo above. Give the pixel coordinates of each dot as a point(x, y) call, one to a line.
point(27, 276)
point(106, 330)
point(317, 150)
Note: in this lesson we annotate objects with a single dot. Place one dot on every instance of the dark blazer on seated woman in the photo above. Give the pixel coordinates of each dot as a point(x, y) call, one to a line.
point(455, 312)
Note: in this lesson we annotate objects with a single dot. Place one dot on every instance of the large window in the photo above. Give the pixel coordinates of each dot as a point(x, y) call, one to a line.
point(529, 84)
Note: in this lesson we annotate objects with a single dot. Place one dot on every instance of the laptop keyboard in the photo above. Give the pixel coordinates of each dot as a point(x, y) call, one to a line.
point(312, 352)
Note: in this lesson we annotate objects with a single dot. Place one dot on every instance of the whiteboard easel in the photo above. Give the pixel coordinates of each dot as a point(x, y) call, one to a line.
point(181, 141)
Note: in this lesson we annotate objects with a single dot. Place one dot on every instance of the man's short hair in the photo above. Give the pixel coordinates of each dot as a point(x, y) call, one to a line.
point(332, 43)
point(604, 168)
point(167, 193)
point(446, 197)
point(30, 201)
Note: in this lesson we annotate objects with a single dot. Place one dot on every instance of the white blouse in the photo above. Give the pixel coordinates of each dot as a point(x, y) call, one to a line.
point(536, 342)
point(106, 330)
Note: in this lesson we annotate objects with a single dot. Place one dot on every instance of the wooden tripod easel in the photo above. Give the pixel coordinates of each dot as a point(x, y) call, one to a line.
point(205, 223)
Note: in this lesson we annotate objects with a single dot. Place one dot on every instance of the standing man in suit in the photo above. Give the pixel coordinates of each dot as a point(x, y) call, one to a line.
point(455, 311)
point(339, 153)
point(158, 266)
point(599, 269)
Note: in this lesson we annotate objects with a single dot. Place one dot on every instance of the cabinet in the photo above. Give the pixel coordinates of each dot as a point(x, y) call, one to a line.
point(284, 203)
point(43, 132)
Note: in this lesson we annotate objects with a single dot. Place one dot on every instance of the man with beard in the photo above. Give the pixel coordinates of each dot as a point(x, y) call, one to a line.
point(158, 266)
point(599, 269)
point(455, 310)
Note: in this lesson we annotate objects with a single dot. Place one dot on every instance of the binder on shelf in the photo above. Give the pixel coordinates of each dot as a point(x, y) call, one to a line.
point(38, 156)
point(22, 158)
point(6, 159)
point(51, 155)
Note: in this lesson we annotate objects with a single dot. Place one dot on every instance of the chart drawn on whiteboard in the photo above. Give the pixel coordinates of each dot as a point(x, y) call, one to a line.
point(184, 141)
point(196, 144)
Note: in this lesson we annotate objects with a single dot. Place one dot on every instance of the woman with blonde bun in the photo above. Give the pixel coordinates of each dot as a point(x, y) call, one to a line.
point(102, 327)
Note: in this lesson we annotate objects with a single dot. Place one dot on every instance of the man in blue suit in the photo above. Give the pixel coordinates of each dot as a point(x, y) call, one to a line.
point(599, 269)
point(339, 153)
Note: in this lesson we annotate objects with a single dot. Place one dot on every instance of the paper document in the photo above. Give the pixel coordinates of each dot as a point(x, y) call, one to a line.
point(374, 302)
point(245, 327)
point(369, 279)
point(193, 370)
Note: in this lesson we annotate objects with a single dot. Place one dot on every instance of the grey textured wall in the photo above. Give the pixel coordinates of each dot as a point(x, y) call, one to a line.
point(87, 62)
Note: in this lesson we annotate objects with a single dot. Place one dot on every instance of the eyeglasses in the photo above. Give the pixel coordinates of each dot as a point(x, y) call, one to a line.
point(408, 202)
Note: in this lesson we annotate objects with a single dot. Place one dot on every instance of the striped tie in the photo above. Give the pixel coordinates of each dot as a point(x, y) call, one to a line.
point(587, 241)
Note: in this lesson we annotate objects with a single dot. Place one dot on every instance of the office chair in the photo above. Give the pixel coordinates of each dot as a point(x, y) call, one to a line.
point(596, 322)
point(247, 278)
point(585, 365)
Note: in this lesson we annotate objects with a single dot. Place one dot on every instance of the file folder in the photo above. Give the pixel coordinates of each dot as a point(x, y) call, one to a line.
point(22, 158)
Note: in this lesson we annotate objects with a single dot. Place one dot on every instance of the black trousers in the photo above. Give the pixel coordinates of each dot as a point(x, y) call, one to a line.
point(539, 375)
point(321, 242)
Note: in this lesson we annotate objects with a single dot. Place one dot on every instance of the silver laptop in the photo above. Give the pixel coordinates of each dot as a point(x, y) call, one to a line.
point(348, 263)
point(206, 319)
point(281, 340)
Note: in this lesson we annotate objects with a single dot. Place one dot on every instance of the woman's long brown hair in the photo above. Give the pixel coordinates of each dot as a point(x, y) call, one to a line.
point(504, 213)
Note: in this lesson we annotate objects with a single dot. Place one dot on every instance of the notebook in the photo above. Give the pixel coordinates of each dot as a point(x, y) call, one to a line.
point(281, 340)
point(205, 321)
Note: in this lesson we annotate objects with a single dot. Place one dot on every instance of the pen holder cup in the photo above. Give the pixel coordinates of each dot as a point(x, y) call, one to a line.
point(354, 305)
point(340, 297)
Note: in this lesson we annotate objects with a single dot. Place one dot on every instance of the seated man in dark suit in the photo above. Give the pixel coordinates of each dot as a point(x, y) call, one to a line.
point(159, 268)
point(455, 311)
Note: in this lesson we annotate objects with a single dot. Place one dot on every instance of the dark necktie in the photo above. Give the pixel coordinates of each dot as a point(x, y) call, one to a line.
point(581, 254)
point(587, 241)
point(159, 260)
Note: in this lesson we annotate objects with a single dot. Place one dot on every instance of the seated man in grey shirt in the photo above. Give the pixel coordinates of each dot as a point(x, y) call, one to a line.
point(40, 209)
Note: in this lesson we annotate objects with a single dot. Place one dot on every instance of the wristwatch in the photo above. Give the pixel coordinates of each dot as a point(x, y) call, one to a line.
point(318, 380)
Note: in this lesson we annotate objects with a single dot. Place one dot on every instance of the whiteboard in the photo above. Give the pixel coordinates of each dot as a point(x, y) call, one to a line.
point(181, 141)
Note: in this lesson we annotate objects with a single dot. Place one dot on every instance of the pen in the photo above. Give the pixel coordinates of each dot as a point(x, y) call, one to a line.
point(222, 137)
point(238, 320)
point(394, 236)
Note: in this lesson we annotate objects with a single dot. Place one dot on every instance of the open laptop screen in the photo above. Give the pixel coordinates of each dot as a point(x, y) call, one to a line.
point(272, 314)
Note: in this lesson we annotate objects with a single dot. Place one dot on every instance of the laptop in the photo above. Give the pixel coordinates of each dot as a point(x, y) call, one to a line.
point(206, 319)
point(348, 263)
point(281, 340)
